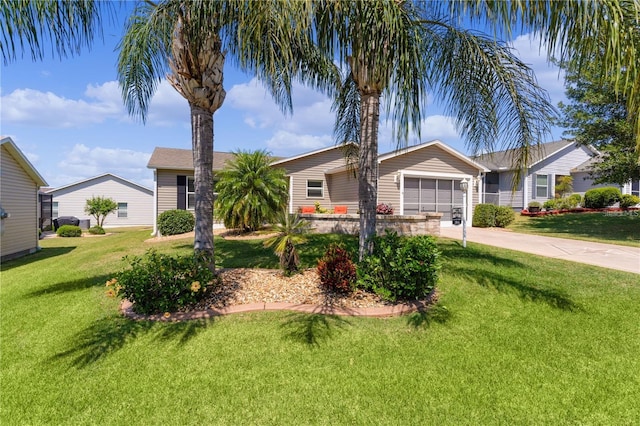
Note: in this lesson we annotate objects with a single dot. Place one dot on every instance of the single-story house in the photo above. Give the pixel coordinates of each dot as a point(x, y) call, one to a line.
point(420, 178)
point(548, 165)
point(19, 183)
point(135, 202)
point(582, 180)
point(173, 179)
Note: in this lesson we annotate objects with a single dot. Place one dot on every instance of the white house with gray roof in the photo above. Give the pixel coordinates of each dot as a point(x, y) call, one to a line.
point(135, 202)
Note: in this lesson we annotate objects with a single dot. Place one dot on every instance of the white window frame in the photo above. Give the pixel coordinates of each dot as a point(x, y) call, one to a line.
point(187, 193)
point(121, 213)
point(315, 188)
point(546, 186)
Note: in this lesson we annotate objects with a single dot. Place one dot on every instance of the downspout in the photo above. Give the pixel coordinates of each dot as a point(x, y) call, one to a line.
point(155, 203)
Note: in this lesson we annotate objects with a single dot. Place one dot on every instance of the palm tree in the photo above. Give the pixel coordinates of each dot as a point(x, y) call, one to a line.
point(63, 26)
point(396, 52)
point(250, 191)
point(191, 40)
point(290, 230)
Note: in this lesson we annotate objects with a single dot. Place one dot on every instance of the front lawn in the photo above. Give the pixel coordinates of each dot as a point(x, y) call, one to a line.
point(613, 228)
point(514, 339)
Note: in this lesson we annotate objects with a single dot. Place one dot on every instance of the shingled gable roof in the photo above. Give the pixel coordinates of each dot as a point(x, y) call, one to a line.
point(114, 177)
point(503, 160)
point(182, 159)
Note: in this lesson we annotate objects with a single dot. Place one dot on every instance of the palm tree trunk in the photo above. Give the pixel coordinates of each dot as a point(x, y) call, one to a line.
point(202, 141)
point(368, 169)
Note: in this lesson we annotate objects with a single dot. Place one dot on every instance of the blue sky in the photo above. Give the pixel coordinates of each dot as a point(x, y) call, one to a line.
point(67, 116)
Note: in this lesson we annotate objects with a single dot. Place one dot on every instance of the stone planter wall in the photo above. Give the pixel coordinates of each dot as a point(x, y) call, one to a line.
point(421, 224)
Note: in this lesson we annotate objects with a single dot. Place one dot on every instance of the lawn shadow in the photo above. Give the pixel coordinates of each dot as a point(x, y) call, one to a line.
point(455, 251)
point(437, 313)
point(313, 329)
point(42, 254)
point(108, 335)
point(70, 286)
point(553, 297)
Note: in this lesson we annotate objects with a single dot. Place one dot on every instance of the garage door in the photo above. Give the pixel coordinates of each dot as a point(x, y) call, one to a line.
point(431, 195)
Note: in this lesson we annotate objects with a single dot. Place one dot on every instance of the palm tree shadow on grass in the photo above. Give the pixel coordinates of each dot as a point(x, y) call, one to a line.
point(553, 297)
point(108, 335)
point(315, 328)
point(437, 313)
point(70, 286)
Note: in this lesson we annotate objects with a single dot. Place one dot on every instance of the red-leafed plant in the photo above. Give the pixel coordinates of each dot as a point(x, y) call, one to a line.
point(383, 208)
point(336, 269)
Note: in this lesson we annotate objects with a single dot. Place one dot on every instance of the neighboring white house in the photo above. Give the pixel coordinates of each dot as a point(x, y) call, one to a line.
point(135, 202)
point(19, 183)
point(549, 164)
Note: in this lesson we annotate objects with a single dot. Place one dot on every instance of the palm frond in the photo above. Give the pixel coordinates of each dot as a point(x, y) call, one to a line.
point(66, 27)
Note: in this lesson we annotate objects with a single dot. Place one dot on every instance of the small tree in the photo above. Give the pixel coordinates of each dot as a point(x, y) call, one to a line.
point(100, 207)
point(290, 231)
point(564, 186)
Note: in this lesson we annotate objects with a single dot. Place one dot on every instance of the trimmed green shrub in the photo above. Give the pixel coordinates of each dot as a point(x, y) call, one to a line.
point(96, 230)
point(575, 200)
point(504, 216)
point(400, 268)
point(336, 269)
point(174, 222)
point(599, 198)
point(158, 283)
point(552, 204)
point(484, 215)
point(69, 231)
point(628, 200)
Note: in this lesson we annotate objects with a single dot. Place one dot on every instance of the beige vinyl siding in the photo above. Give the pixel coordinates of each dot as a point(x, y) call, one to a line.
point(73, 199)
point(313, 167)
point(18, 195)
point(168, 188)
point(343, 189)
point(432, 159)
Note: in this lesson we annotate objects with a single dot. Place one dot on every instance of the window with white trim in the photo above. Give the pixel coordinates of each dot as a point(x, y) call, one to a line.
point(122, 210)
point(54, 210)
point(542, 186)
point(191, 193)
point(315, 189)
point(635, 188)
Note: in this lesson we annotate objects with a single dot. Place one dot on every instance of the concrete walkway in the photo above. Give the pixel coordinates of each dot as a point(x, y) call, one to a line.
point(611, 256)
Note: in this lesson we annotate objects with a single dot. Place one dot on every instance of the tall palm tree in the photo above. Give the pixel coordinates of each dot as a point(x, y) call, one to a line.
point(395, 53)
point(398, 51)
point(190, 40)
point(250, 191)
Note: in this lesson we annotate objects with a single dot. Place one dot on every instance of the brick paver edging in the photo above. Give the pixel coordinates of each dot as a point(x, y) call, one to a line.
point(126, 308)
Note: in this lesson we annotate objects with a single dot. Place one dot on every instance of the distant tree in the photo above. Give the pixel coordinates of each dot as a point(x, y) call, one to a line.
point(100, 208)
point(596, 115)
point(250, 191)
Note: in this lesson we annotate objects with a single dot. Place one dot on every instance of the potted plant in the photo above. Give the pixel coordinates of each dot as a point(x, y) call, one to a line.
point(534, 207)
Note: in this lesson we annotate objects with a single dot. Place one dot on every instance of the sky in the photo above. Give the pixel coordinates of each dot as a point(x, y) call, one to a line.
point(68, 118)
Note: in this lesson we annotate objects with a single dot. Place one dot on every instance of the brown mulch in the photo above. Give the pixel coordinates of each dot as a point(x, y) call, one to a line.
point(244, 286)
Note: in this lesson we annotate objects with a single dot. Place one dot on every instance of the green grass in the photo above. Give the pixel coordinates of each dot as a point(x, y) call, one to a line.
point(514, 339)
point(614, 228)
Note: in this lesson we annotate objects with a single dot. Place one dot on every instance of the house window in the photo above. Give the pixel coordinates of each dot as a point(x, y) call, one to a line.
point(635, 188)
point(122, 209)
point(191, 193)
point(542, 186)
point(315, 189)
point(54, 210)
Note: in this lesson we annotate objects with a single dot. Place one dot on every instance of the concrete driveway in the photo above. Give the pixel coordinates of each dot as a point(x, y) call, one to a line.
point(611, 256)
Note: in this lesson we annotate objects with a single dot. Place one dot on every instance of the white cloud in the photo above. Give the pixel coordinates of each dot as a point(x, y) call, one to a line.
point(311, 109)
point(285, 143)
point(533, 53)
point(83, 162)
